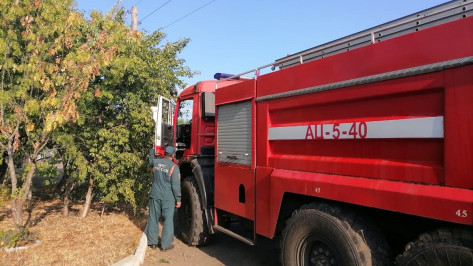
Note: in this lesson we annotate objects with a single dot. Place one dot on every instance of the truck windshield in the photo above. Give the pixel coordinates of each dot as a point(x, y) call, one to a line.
point(184, 125)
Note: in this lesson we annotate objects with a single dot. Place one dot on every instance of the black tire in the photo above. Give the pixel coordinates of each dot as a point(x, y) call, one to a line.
point(191, 220)
point(442, 247)
point(319, 234)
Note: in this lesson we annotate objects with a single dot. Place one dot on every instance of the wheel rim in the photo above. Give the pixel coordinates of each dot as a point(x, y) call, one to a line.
point(317, 250)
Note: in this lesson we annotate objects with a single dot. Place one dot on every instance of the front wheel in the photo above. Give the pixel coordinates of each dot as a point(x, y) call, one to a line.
point(319, 234)
point(191, 218)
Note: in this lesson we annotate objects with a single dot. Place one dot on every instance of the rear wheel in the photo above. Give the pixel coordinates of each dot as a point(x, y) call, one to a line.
point(318, 234)
point(191, 218)
point(441, 247)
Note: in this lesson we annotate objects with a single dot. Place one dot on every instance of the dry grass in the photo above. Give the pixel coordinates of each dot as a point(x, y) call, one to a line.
point(95, 240)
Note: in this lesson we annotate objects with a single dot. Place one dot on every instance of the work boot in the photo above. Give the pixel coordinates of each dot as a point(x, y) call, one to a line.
point(169, 248)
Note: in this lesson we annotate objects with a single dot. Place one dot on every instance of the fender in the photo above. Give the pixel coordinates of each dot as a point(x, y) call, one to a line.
point(202, 170)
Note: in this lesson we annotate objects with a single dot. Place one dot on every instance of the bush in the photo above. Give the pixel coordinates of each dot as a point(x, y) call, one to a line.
point(4, 195)
point(14, 238)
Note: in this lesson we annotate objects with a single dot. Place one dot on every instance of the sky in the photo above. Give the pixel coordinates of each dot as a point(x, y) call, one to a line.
point(233, 36)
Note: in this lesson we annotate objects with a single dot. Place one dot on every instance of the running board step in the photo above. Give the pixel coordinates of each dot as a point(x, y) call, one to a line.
point(234, 235)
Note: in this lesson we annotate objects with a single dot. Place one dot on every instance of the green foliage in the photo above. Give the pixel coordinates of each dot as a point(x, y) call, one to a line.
point(13, 238)
point(84, 87)
point(48, 172)
point(4, 195)
point(111, 141)
point(3, 165)
point(48, 55)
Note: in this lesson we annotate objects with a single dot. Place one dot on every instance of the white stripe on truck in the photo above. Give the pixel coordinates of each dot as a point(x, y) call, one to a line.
point(425, 127)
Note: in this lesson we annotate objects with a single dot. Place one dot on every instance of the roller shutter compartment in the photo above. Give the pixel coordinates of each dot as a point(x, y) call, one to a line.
point(234, 133)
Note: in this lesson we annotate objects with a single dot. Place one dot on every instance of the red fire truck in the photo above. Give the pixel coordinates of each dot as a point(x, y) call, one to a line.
point(355, 152)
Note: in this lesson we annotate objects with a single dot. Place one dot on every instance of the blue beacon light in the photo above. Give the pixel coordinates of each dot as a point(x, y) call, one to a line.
point(219, 76)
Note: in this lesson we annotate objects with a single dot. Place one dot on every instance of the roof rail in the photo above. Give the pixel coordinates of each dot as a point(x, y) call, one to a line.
point(440, 14)
point(427, 18)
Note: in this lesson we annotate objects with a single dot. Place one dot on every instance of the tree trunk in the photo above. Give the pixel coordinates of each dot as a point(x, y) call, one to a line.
point(67, 192)
point(88, 199)
point(17, 211)
point(65, 206)
point(20, 197)
point(11, 169)
point(16, 202)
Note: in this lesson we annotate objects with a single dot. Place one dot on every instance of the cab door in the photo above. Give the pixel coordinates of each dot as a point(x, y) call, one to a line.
point(163, 114)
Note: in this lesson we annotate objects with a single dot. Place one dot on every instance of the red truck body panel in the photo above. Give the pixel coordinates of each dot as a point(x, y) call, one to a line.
point(350, 144)
point(443, 42)
point(229, 177)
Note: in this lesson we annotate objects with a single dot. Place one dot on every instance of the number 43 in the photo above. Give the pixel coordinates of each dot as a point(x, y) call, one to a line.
point(462, 213)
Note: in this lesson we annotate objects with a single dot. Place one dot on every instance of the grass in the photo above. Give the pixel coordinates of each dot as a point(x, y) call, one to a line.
point(99, 239)
point(163, 261)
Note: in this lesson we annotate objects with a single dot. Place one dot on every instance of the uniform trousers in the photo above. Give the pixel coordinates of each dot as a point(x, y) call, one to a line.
point(160, 208)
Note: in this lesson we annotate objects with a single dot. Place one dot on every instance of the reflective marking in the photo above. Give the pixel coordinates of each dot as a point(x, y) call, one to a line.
point(425, 127)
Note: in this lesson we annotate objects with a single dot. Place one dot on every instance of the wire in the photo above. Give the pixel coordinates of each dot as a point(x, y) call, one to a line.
point(188, 14)
point(155, 11)
point(137, 2)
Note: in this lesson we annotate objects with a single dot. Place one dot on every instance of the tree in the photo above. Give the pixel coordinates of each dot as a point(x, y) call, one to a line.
point(48, 55)
point(115, 130)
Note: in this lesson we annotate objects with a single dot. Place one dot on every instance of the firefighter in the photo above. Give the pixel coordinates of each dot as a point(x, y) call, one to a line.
point(164, 196)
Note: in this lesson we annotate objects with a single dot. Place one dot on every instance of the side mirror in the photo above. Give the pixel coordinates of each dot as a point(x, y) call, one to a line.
point(208, 105)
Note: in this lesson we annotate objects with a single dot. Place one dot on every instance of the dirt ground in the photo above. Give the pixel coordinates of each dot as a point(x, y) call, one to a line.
point(99, 239)
point(106, 238)
point(223, 250)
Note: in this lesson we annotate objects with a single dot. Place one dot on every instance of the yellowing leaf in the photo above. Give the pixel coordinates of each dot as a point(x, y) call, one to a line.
point(97, 93)
point(31, 106)
point(30, 127)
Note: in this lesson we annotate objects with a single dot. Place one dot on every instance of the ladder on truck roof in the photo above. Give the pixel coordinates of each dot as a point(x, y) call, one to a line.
point(427, 18)
point(440, 14)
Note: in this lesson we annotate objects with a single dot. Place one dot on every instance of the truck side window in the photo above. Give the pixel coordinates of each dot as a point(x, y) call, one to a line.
point(184, 125)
